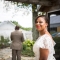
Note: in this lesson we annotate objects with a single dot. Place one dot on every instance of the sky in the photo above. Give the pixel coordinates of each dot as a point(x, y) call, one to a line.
point(13, 13)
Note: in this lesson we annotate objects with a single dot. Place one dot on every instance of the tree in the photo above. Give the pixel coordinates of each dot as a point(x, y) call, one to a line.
point(16, 23)
point(8, 6)
point(34, 12)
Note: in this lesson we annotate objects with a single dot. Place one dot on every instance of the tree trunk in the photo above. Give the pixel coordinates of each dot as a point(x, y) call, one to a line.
point(35, 32)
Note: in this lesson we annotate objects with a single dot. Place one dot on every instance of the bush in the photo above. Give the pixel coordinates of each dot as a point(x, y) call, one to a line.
point(56, 39)
point(57, 46)
point(4, 42)
point(28, 48)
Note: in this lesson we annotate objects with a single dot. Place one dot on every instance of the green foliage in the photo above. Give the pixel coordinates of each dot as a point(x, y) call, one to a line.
point(25, 4)
point(27, 29)
point(34, 7)
point(27, 48)
point(56, 39)
point(57, 46)
point(16, 23)
point(28, 43)
point(4, 42)
point(21, 5)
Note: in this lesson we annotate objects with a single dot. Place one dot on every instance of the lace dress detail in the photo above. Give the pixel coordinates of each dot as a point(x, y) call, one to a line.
point(44, 42)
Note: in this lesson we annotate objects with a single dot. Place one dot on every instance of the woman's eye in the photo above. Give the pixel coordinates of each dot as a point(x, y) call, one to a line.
point(39, 22)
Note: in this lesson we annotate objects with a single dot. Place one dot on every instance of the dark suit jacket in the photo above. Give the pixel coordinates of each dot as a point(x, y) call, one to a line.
point(17, 39)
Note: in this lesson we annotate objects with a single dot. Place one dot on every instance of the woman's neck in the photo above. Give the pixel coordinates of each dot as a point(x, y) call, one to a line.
point(43, 32)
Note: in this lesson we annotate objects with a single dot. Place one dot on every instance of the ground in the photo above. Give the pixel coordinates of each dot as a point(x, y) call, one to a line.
point(5, 54)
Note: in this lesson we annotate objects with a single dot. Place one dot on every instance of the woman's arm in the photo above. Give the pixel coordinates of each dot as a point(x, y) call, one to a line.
point(43, 54)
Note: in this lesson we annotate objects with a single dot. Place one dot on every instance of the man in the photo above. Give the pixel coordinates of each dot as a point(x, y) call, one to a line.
point(16, 45)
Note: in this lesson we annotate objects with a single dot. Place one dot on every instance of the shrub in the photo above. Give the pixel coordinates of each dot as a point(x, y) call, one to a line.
point(27, 48)
point(57, 46)
point(4, 42)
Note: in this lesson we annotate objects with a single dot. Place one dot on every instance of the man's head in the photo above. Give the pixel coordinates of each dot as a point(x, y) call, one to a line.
point(17, 27)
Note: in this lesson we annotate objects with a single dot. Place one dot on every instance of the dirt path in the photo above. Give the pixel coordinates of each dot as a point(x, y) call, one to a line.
point(5, 54)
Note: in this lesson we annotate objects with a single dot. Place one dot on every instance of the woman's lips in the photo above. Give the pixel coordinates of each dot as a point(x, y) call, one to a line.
point(38, 26)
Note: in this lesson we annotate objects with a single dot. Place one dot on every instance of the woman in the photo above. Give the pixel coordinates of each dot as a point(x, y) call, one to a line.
point(44, 45)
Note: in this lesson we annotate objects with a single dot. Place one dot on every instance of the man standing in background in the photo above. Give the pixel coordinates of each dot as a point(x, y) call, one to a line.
point(16, 45)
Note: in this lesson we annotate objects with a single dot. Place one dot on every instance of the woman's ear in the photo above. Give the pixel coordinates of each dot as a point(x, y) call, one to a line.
point(47, 24)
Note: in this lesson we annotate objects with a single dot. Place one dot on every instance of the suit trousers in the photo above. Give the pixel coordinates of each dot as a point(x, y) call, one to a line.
point(16, 54)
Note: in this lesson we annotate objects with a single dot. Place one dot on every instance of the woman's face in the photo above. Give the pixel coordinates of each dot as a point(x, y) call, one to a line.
point(41, 24)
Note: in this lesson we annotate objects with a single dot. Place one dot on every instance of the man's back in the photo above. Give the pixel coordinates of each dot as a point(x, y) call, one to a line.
point(17, 39)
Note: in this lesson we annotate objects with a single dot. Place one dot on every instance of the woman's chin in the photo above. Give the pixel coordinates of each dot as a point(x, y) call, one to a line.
point(38, 29)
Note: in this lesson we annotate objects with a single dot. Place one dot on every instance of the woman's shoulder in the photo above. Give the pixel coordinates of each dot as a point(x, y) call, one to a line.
point(49, 38)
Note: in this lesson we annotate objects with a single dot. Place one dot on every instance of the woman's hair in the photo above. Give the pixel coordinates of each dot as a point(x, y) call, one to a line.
point(17, 27)
point(43, 16)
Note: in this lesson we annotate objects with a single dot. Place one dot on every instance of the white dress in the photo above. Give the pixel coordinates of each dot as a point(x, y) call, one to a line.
point(45, 42)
